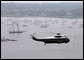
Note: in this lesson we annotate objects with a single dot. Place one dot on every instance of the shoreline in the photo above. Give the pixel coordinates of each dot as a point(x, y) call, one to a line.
point(38, 17)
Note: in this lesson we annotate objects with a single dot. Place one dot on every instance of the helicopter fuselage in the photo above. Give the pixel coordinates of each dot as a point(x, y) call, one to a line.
point(52, 40)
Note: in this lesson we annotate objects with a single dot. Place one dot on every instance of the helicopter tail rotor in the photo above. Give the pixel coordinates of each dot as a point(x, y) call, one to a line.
point(32, 35)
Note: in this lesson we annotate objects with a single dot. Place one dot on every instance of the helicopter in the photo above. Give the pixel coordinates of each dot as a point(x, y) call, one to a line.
point(55, 39)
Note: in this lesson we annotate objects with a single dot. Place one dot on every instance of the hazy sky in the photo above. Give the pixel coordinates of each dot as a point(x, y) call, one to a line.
point(41, 1)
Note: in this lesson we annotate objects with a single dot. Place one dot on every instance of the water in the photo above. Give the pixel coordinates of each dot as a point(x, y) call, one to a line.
point(26, 48)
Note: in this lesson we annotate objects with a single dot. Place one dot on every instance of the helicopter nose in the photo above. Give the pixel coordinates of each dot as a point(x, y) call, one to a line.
point(68, 40)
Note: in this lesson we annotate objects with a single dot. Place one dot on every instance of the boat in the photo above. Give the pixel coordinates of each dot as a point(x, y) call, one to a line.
point(15, 31)
point(18, 30)
point(3, 40)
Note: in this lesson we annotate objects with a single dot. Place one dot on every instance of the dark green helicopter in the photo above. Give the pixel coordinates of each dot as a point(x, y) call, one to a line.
point(56, 39)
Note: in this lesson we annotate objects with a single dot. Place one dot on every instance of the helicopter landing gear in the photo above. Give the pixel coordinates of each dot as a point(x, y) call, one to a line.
point(44, 44)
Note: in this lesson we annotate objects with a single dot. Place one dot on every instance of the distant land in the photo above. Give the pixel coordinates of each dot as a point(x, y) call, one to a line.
point(58, 10)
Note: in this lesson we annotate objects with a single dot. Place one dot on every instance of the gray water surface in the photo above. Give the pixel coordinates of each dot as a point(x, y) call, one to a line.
point(26, 48)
